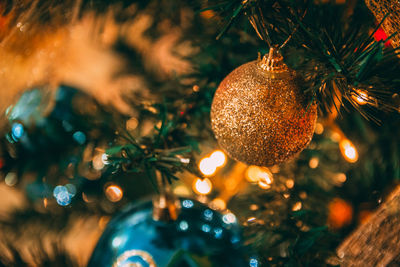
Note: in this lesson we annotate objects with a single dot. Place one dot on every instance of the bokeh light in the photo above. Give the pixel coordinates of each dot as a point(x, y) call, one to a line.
point(219, 158)
point(218, 204)
point(297, 206)
point(114, 193)
point(361, 97)
point(319, 128)
point(289, 183)
point(62, 196)
point(340, 213)
point(207, 166)
point(202, 186)
point(348, 150)
point(313, 163)
point(132, 124)
point(181, 190)
point(11, 179)
point(255, 174)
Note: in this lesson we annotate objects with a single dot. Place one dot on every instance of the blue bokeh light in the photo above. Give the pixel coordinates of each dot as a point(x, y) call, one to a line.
point(253, 262)
point(79, 137)
point(17, 131)
point(183, 225)
point(64, 194)
point(187, 203)
point(208, 214)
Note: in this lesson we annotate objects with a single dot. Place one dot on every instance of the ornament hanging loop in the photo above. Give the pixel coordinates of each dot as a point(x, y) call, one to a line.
point(166, 206)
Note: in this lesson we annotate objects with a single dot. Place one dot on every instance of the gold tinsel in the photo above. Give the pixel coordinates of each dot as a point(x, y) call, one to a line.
point(391, 25)
point(259, 115)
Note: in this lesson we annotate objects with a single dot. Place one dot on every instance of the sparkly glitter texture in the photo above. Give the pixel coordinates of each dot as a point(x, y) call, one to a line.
point(260, 117)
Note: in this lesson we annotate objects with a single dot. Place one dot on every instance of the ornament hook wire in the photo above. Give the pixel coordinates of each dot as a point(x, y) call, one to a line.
point(259, 24)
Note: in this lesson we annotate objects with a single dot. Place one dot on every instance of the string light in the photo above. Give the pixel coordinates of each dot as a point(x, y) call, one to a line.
point(207, 166)
point(202, 186)
point(297, 206)
point(335, 136)
point(218, 204)
point(262, 184)
point(255, 174)
point(290, 183)
point(98, 162)
point(313, 163)
point(219, 158)
point(340, 178)
point(361, 97)
point(319, 128)
point(348, 150)
point(114, 193)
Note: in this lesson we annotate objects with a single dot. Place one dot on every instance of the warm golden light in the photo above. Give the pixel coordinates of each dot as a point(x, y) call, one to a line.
point(340, 213)
point(181, 190)
point(361, 97)
point(289, 183)
point(218, 204)
point(98, 162)
point(219, 158)
point(335, 137)
point(207, 166)
point(132, 124)
point(313, 163)
point(252, 174)
point(114, 193)
point(202, 186)
point(341, 177)
point(348, 150)
point(297, 206)
point(255, 174)
point(262, 184)
point(319, 128)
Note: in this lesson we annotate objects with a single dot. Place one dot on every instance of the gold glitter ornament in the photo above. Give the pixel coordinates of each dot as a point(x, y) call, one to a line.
point(391, 25)
point(259, 114)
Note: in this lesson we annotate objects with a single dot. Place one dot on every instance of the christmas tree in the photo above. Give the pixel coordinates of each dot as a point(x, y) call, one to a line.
point(200, 133)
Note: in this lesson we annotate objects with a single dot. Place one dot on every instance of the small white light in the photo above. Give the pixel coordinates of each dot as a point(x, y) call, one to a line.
point(183, 225)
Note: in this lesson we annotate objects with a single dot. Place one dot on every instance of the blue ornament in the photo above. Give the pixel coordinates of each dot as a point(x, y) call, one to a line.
point(199, 236)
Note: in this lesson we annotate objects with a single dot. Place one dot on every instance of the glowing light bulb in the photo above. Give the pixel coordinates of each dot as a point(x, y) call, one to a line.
point(297, 206)
point(263, 185)
point(319, 128)
point(361, 97)
point(255, 174)
point(290, 183)
point(218, 204)
point(132, 124)
point(98, 162)
point(207, 166)
point(114, 193)
point(313, 163)
point(341, 177)
point(202, 186)
point(219, 158)
point(348, 150)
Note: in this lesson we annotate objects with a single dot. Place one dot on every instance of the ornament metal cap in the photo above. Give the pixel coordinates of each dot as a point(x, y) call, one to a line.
point(273, 61)
point(166, 206)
